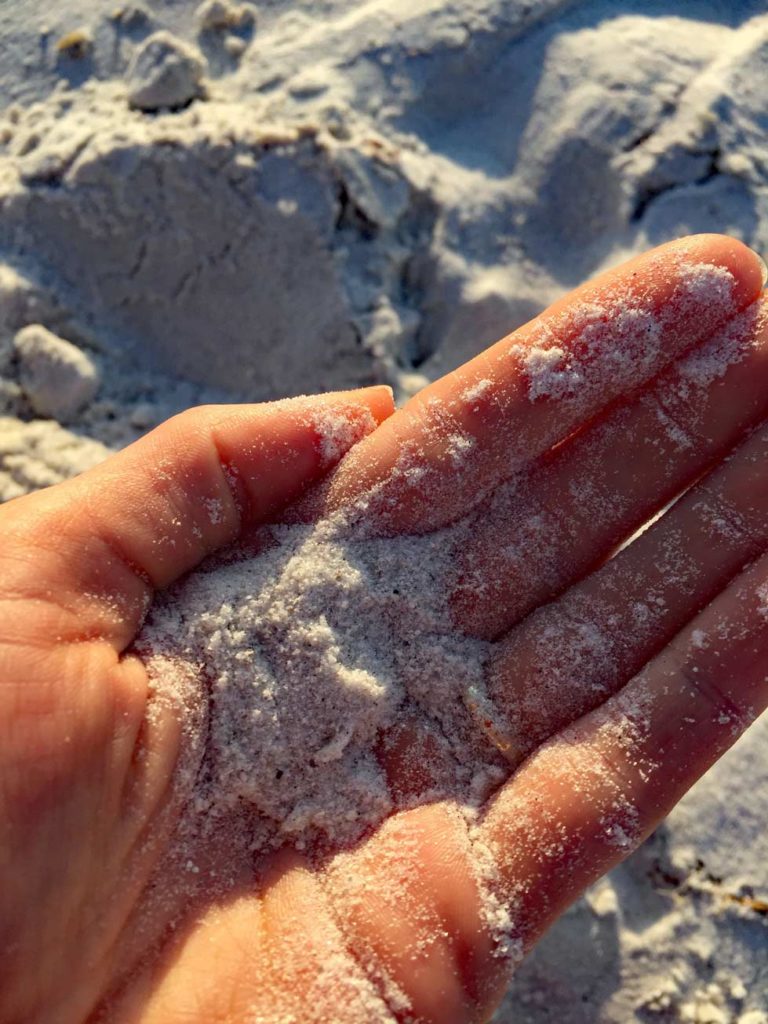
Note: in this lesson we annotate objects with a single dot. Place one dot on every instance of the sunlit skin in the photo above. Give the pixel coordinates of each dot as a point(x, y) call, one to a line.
point(84, 822)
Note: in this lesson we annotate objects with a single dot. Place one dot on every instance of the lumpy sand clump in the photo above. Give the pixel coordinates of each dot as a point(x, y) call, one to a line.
point(310, 652)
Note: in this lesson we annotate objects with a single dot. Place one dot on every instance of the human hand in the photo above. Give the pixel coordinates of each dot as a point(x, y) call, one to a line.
point(402, 918)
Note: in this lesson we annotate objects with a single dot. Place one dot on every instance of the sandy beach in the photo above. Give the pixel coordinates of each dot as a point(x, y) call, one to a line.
point(327, 194)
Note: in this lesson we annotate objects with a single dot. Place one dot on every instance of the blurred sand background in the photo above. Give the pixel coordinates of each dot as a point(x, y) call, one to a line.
point(348, 192)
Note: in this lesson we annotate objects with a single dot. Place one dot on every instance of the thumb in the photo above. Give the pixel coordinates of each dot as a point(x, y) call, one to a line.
point(86, 555)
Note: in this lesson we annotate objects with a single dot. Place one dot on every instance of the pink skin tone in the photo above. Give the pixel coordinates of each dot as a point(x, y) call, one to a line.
point(80, 561)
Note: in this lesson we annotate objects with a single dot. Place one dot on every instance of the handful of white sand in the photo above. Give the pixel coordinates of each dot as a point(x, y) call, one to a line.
point(310, 652)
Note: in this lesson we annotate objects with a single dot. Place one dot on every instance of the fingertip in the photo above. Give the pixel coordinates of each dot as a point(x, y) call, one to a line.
point(744, 264)
point(380, 399)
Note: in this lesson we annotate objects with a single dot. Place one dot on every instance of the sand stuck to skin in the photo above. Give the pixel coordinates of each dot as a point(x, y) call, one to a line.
point(371, 192)
point(303, 659)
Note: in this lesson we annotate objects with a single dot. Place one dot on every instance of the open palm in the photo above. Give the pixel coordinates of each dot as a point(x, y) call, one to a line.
point(614, 682)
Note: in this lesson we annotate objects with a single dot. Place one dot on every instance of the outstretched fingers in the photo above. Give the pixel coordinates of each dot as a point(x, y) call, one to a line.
point(569, 656)
point(586, 798)
point(460, 437)
point(547, 527)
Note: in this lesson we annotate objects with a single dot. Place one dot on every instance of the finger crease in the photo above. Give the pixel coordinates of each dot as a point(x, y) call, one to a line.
point(677, 431)
point(232, 485)
point(717, 699)
point(377, 976)
point(724, 517)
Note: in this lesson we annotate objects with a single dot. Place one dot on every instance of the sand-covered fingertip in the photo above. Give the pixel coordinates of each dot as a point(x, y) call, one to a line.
point(340, 420)
point(746, 265)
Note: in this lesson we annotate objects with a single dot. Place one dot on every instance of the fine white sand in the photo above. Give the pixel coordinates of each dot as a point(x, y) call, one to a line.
point(373, 191)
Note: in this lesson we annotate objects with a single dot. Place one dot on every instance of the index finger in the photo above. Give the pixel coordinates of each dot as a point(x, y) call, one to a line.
point(455, 441)
point(102, 542)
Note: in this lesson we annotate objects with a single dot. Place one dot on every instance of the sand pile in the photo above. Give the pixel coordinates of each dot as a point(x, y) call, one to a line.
point(311, 652)
point(374, 193)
